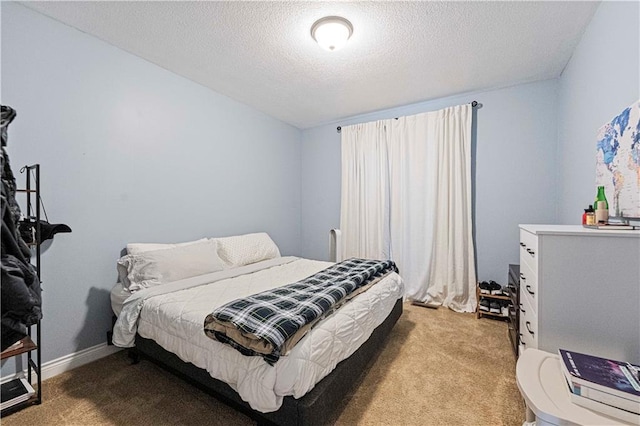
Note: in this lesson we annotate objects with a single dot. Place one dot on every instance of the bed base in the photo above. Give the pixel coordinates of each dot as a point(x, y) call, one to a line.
point(320, 406)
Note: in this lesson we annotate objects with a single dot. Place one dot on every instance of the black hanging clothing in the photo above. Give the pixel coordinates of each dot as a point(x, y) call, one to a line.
point(28, 230)
point(20, 287)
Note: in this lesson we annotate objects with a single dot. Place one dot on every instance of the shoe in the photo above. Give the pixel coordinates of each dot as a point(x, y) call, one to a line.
point(484, 287)
point(484, 305)
point(495, 288)
point(504, 310)
point(495, 307)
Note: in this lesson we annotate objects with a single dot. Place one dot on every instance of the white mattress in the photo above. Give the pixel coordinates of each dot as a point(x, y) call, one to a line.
point(173, 316)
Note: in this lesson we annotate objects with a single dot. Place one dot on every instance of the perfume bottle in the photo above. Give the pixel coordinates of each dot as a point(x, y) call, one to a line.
point(590, 216)
point(585, 215)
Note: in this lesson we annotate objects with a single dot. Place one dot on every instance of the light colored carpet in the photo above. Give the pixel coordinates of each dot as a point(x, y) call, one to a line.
point(437, 368)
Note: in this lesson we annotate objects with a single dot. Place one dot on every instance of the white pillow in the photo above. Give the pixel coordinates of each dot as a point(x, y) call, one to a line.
point(152, 268)
point(137, 248)
point(245, 249)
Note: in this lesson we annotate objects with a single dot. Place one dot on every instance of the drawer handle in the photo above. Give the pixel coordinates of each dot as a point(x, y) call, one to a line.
point(522, 310)
point(528, 287)
point(531, 252)
point(522, 340)
point(522, 277)
point(528, 329)
point(523, 245)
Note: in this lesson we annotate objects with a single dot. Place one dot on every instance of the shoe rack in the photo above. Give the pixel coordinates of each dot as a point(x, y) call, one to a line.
point(27, 347)
point(480, 313)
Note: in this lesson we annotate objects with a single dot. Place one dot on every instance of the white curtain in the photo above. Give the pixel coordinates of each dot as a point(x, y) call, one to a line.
point(365, 191)
point(427, 226)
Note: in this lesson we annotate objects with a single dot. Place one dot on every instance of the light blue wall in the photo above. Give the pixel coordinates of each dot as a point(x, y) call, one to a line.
point(515, 171)
point(131, 152)
point(601, 79)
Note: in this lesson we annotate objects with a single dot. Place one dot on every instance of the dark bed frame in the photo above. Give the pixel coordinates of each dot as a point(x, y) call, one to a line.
point(322, 405)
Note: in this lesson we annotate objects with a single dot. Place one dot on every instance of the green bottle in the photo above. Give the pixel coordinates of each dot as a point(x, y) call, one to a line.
point(601, 197)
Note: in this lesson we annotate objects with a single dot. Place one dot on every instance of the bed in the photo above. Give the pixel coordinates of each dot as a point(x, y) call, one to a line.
point(308, 385)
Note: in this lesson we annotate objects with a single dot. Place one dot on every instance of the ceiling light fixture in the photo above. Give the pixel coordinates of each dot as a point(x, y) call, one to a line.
point(331, 32)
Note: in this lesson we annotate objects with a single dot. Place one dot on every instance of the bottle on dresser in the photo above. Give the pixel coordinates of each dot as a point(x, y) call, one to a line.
point(602, 213)
point(602, 206)
point(589, 216)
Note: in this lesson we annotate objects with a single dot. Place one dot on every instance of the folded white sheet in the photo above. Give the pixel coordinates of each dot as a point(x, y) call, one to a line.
point(118, 295)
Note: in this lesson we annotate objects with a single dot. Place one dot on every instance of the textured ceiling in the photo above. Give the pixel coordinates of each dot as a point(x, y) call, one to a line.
point(262, 53)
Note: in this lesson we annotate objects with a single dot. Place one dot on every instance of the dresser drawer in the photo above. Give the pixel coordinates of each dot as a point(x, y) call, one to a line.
point(529, 286)
point(528, 249)
point(528, 324)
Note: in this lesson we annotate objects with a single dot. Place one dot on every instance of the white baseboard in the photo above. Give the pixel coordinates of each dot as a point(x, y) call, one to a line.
point(69, 362)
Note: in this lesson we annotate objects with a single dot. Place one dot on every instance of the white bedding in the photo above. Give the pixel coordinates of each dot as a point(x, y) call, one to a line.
point(173, 316)
point(118, 295)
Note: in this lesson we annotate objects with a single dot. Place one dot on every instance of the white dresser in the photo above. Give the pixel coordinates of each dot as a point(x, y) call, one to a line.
point(580, 290)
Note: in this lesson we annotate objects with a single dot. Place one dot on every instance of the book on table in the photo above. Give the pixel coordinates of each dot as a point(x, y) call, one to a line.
point(14, 392)
point(604, 380)
point(606, 409)
point(612, 226)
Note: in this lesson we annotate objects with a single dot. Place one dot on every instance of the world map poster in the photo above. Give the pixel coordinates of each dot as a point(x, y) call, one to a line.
point(618, 162)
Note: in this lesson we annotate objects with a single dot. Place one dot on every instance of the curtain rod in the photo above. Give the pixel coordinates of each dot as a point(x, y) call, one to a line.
point(474, 104)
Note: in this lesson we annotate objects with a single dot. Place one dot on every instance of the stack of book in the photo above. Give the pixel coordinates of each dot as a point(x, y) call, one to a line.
point(15, 392)
point(607, 386)
point(612, 226)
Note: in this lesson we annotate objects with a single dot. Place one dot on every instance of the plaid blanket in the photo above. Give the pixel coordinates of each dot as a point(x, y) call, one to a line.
point(272, 317)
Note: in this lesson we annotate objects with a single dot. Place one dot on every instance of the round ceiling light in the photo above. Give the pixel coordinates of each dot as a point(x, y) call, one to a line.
point(331, 32)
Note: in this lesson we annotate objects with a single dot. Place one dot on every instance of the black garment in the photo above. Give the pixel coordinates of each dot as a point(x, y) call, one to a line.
point(28, 230)
point(20, 287)
point(8, 181)
point(20, 299)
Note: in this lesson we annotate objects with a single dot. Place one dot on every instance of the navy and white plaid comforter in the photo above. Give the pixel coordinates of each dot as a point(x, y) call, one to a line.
point(276, 315)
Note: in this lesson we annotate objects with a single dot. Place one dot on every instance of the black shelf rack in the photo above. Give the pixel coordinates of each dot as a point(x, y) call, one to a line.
point(29, 347)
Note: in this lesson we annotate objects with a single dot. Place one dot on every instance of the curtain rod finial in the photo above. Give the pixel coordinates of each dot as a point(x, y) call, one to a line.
point(339, 129)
